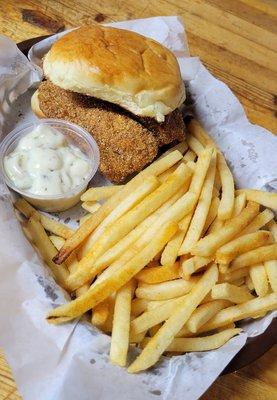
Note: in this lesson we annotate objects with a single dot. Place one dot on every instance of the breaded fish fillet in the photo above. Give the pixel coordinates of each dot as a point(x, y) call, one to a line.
point(125, 145)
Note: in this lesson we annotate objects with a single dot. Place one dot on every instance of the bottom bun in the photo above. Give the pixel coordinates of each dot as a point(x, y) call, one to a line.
point(35, 106)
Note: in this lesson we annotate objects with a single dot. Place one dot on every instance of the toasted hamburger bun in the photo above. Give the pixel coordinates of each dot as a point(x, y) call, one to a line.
point(118, 66)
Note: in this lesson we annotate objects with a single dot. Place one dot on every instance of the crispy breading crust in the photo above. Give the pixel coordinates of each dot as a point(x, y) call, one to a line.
point(173, 128)
point(125, 145)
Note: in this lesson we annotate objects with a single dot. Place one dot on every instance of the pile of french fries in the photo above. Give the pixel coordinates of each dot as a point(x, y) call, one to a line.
point(170, 260)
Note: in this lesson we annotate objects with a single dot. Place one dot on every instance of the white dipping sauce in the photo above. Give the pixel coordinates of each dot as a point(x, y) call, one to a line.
point(45, 163)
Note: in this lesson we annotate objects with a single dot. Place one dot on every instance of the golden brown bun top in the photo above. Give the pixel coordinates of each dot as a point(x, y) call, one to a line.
point(118, 66)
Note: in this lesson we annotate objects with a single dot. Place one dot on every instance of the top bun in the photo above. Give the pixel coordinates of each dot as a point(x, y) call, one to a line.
point(118, 66)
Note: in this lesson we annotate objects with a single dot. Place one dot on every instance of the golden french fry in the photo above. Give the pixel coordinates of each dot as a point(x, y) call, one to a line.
point(47, 250)
point(208, 245)
point(87, 268)
point(242, 244)
point(200, 214)
point(99, 291)
point(171, 250)
point(215, 225)
point(193, 264)
point(84, 218)
point(165, 290)
point(267, 199)
point(154, 330)
point(189, 156)
point(184, 345)
point(211, 214)
point(272, 226)
point(91, 206)
point(138, 306)
point(226, 204)
point(136, 338)
point(49, 224)
point(194, 144)
point(271, 270)
point(256, 256)
point(196, 130)
point(200, 172)
point(129, 202)
point(249, 283)
point(100, 193)
point(250, 309)
point(259, 278)
point(159, 274)
point(235, 294)
point(89, 226)
point(239, 204)
point(258, 222)
point(124, 244)
point(159, 343)
point(154, 316)
point(57, 241)
point(232, 276)
point(204, 313)
point(100, 313)
point(121, 324)
point(181, 147)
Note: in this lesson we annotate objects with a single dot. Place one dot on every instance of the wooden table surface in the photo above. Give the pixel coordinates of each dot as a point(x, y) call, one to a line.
point(237, 41)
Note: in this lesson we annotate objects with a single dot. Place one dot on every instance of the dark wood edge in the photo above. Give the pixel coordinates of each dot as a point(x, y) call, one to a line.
point(255, 347)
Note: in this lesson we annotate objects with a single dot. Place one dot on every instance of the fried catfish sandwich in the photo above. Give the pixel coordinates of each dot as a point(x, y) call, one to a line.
point(124, 88)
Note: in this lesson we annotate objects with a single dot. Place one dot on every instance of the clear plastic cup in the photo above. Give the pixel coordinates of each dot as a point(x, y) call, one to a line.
point(76, 136)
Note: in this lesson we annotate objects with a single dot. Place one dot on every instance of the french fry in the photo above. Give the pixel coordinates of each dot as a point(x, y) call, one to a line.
point(249, 283)
point(138, 306)
point(91, 206)
point(154, 330)
point(235, 294)
point(100, 313)
point(239, 204)
point(226, 204)
point(87, 269)
point(184, 345)
point(232, 276)
point(84, 218)
point(250, 309)
point(184, 223)
point(100, 193)
point(242, 244)
point(122, 245)
point(272, 226)
point(137, 338)
point(159, 274)
point(216, 225)
point(99, 291)
point(271, 270)
point(57, 241)
point(47, 250)
point(171, 250)
point(256, 256)
point(165, 290)
point(193, 264)
point(181, 147)
point(200, 172)
point(49, 224)
point(154, 316)
point(259, 278)
point(204, 313)
point(91, 224)
point(258, 222)
point(121, 324)
point(194, 144)
point(159, 343)
point(200, 214)
point(267, 199)
point(196, 130)
point(189, 156)
point(208, 245)
point(173, 213)
point(211, 214)
point(129, 202)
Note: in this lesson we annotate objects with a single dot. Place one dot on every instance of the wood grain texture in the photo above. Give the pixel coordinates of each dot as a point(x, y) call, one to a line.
point(237, 41)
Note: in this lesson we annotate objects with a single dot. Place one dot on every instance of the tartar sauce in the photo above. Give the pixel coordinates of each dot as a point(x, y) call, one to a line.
point(45, 163)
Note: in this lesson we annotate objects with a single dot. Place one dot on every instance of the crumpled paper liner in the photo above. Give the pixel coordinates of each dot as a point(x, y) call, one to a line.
point(71, 361)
